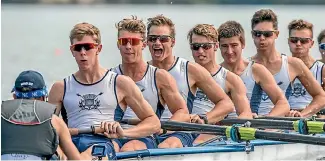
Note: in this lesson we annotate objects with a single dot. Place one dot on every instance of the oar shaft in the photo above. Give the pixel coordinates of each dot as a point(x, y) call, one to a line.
point(276, 124)
point(306, 139)
point(287, 118)
point(88, 130)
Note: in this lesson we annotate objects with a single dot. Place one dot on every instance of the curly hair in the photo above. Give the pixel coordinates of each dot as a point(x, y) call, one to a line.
point(230, 29)
point(206, 30)
point(264, 15)
point(85, 29)
point(133, 24)
point(299, 25)
point(161, 20)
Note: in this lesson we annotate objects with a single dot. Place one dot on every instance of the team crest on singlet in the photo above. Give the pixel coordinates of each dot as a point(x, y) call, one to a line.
point(201, 96)
point(298, 90)
point(265, 96)
point(89, 101)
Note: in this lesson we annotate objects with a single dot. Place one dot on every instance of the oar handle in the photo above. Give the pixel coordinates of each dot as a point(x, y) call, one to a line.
point(88, 130)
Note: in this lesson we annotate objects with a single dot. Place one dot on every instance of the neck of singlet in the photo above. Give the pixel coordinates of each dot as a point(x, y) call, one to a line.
point(212, 67)
point(136, 71)
point(166, 64)
point(90, 76)
point(237, 67)
point(307, 59)
point(267, 57)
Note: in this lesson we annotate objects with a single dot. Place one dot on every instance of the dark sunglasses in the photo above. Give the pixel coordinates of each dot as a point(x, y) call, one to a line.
point(205, 46)
point(322, 46)
point(132, 41)
point(257, 33)
point(162, 38)
point(301, 39)
point(86, 46)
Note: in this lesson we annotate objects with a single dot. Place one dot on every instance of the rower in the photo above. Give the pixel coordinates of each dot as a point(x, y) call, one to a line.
point(30, 130)
point(285, 69)
point(158, 87)
point(255, 76)
point(203, 39)
point(95, 96)
point(300, 42)
point(189, 76)
point(321, 46)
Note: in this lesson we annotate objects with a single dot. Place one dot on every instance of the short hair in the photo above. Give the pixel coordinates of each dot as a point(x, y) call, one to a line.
point(133, 24)
point(321, 36)
point(230, 29)
point(264, 15)
point(206, 30)
point(85, 29)
point(161, 20)
point(300, 25)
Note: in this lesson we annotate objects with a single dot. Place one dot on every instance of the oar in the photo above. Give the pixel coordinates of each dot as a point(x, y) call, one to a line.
point(301, 126)
point(238, 134)
point(87, 130)
point(289, 118)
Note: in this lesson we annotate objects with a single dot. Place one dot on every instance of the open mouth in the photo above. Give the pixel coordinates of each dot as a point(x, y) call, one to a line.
point(158, 51)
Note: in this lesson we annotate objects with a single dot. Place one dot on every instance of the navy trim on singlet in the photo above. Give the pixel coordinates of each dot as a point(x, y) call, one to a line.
point(63, 110)
point(155, 81)
point(321, 74)
point(312, 65)
point(118, 112)
point(190, 95)
point(91, 83)
point(115, 88)
point(217, 71)
point(256, 98)
point(288, 91)
point(174, 64)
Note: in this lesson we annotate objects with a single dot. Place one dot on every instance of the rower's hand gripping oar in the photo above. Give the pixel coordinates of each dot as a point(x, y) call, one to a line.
point(302, 126)
point(239, 134)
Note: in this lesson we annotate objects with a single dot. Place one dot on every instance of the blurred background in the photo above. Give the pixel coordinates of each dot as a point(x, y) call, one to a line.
point(35, 33)
point(290, 2)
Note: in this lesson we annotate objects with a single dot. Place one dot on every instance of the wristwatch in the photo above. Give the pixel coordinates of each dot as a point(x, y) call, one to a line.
point(204, 118)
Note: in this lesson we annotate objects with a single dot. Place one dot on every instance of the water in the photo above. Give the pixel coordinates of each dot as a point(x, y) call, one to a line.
point(37, 36)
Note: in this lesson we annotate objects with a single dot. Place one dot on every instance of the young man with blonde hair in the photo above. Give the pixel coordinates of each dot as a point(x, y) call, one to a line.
point(300, 42)
point(284, 69)
point(189, 76)
point(157, 86)
point(203, 40)
point(95, 96)
point(255, 76)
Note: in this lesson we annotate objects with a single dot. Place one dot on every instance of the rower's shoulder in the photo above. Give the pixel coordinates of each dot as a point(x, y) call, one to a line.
point(58, 85)
point(195, 68)
point(163, 77)
point(260, 72)
point(295, 62)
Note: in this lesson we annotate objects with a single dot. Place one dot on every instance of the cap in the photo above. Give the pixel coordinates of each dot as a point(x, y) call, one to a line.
point(29, 84)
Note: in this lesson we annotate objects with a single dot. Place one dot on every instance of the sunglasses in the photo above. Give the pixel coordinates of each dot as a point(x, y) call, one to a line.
point(322, 46)
point(301, 39)
point(162, 38)
point(257, 33)
point(205, 46)
point(86, 46)
point(132, 41)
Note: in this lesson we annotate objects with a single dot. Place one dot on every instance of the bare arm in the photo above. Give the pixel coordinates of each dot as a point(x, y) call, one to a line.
point(311, 85)
point(171, 96)
point(56, 96)
point(237, 90)
point(264, 78)
point(129, 93)
point(65, 141)
point(204, 81)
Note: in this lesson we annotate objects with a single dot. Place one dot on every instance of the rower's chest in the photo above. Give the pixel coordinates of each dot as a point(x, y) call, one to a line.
point(273, 67)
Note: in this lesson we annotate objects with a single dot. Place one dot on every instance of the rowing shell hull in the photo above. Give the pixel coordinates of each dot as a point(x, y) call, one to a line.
point(260, 150)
